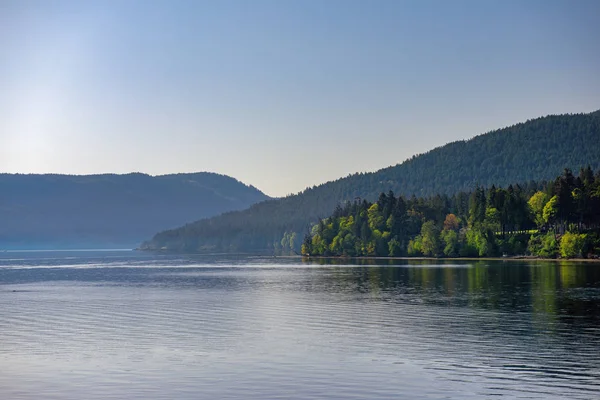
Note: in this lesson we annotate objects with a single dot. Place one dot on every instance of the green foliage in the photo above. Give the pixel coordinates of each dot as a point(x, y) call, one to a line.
point(502, 224)
point(415, 246)
point(376, 221)
point(536, 204)
point(572, 245)
point(468, 250)
point(592, 243)
point(450, 241)
point(493, 218)
point(482, 238)
point(394, 248)
point(549, 246)
point(550, 211)
point(430, 239)
point(477, 206)
point(288, 243)
point(396, 226)
point(537, 149)
point(543, 245)
point(514, 244)
point(306, 248)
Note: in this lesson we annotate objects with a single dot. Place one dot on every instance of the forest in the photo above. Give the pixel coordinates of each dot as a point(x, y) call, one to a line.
point(558, 218)
point(535, 150)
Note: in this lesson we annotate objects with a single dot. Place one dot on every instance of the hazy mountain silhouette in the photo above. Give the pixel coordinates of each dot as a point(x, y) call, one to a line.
point(44, 211)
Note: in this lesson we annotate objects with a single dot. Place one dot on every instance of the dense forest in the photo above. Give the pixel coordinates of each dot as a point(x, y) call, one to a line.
point(66, 211)
point(538, 150)
point(558, 218)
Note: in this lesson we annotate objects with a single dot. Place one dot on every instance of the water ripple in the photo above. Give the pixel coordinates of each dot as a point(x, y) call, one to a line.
point(131, 327)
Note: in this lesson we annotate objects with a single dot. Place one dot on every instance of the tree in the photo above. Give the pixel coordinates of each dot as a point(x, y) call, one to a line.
point(307, 245)
point(572, 245)
point(482, 238)
point(451, 223)
point(565, 204)
point(477, 206)
point(395, 248)
point(536, 204)
point(492, 219)
point(430, 242)
point(414, 246)
point(550, 211)
point(543, 245)
point(396, 223)
point(376, 221)
point(413, 226)
point(450, 240)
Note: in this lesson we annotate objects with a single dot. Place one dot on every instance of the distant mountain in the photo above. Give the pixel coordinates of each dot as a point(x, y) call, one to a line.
point(47, 211)
point(538, 149)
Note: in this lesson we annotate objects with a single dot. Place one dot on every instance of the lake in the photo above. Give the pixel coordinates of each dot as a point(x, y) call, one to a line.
point(115, 325)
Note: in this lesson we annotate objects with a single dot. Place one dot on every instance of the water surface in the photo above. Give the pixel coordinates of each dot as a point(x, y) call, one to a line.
point(102, 325)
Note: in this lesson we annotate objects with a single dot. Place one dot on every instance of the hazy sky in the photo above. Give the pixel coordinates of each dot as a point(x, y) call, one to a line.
point(280, 94)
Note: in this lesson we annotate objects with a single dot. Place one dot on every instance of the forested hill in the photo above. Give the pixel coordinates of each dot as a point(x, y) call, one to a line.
point(538, 149)
point(64, 211)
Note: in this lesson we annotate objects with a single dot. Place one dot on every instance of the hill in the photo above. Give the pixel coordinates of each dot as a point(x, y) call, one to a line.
point(561, 216)
point(48, 211)
point(538, 149)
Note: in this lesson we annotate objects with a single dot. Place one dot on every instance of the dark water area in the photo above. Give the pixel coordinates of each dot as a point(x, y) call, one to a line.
point(114, 325)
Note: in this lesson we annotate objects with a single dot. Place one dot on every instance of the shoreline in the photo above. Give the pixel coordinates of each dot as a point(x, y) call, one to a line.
point(297, 256)
point(514, 258)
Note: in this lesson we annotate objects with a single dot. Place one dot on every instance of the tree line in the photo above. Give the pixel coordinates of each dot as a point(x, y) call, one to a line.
point(556, 218)
point(537, 150)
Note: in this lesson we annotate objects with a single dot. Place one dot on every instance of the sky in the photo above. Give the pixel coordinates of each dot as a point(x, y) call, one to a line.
point(279, 94)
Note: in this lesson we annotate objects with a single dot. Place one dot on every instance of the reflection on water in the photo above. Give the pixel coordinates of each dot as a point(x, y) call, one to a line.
point(131, 325)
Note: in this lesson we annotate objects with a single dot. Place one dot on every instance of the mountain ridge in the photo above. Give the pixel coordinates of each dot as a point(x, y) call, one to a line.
point(449, 144)
point(59, 210)
point(537, 149)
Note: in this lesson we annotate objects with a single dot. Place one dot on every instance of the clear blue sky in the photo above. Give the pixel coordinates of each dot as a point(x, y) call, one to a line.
point(279, 94)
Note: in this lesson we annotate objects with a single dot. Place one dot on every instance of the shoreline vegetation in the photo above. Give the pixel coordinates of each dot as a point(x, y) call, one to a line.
point(528, 153)
point(559, 219)
point(556, 220)
point(511, 258)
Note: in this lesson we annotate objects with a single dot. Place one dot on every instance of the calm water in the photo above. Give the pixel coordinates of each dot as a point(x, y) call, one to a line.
point(129, 325)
